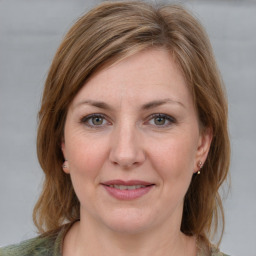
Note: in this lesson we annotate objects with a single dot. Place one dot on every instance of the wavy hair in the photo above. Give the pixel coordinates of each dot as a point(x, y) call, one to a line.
point(107, 34)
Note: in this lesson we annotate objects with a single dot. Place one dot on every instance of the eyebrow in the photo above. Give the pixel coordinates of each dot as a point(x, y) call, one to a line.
point(157, 103)
point(146, 106)
point(98, 104)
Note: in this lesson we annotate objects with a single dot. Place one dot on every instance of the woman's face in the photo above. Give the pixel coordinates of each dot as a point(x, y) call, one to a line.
point(132, 142)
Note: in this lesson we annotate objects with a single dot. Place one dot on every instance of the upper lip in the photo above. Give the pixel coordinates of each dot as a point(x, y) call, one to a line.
point(127, 183)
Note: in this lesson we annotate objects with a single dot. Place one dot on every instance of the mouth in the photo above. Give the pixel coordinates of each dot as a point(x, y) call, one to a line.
point(123, 187)
point(127, 185)
point(127, 190)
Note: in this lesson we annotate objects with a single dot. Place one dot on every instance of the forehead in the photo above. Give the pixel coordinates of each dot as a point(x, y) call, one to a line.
point(145, 75)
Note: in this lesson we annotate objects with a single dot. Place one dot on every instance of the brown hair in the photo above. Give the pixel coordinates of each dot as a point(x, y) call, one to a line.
point(107, 34)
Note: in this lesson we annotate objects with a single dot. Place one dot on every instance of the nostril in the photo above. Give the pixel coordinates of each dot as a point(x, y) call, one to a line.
point(126, 154)
point(126, 164)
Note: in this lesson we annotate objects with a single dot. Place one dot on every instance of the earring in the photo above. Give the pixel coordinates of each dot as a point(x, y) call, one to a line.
point(200, 165)
point(64, 166)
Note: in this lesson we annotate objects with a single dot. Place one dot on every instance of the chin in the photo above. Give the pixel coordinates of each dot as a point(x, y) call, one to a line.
point(128, 221)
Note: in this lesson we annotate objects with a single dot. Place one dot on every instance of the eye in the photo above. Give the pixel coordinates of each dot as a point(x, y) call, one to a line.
point(161, 120)
point(97, 120)
point(94, 120)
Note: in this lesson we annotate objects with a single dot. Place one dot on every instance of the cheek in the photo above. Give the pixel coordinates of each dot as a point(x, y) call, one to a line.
point(85, 163)
point(175, 157)
point(85, 155)
point(174, 162)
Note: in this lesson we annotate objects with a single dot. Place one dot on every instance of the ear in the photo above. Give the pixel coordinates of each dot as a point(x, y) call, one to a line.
point(63, 147)
point(65, 165)
point(204, 144)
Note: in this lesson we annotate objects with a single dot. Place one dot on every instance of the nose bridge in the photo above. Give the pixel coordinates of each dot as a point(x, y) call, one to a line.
point(126, 148)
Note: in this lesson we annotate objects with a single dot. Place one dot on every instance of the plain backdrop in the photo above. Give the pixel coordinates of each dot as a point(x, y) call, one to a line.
point(30, 32)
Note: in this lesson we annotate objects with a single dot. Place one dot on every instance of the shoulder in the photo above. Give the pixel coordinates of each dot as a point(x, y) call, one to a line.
point(39, 246)
point(36, 246)
point(46, 245)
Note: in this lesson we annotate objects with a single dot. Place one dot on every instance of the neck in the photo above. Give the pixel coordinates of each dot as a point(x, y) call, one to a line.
point(87, 239)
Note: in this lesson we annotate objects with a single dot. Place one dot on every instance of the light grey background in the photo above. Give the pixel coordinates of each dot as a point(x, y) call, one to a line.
point(30, 32)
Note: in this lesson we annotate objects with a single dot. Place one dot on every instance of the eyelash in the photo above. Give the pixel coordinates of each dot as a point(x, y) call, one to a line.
point(171, 120)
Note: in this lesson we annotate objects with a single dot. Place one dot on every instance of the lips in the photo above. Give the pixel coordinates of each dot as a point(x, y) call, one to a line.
point(127, 183)
point(123, 187)
point(127, 190)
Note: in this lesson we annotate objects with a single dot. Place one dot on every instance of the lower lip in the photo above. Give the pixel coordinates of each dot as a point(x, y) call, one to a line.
point(127, 194)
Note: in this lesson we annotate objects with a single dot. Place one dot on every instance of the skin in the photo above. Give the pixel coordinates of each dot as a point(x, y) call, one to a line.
point(128, 142)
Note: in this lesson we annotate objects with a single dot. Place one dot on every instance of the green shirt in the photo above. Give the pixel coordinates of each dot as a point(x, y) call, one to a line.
point(51, 245)
point(39, 246)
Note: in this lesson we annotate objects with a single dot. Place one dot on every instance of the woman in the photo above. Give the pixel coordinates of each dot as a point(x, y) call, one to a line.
point(132, 138)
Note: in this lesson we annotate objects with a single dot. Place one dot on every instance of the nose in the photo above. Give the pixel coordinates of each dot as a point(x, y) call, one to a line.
point(127, 147)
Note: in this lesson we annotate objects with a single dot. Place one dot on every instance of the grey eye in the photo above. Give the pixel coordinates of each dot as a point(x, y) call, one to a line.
point(94, 120)
point(159, 120)
point(97, 120)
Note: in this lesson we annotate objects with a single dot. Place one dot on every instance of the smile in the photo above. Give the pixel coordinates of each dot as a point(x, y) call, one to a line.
point(127, 190)
point(123, 187)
